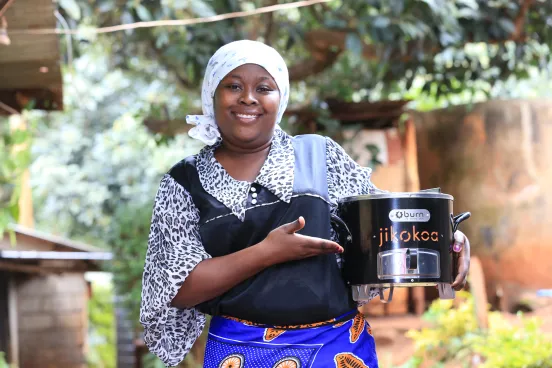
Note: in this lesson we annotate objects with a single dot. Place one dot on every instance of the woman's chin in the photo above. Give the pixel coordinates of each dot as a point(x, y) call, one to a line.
point(248, 136)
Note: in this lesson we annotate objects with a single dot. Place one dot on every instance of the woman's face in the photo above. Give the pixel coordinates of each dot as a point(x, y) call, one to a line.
point(246, 106)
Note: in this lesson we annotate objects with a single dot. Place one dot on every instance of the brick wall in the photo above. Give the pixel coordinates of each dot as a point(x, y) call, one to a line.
point(52, 315)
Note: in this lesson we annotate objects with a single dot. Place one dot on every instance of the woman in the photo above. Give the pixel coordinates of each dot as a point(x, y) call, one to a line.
point(241, 231)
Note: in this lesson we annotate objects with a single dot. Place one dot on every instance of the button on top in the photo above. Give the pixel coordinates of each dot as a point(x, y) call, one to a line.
point(254, 195)
point(253, 189)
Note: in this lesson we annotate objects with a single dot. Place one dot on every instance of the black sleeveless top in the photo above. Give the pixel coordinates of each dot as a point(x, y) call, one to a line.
point(298, 292)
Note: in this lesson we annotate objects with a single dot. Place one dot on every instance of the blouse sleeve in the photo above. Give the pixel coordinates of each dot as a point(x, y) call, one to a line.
point(174, 249)
point(345, 176)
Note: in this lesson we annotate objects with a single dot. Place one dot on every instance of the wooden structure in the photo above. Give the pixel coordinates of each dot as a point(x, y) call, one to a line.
point(30, 70)
point(43, 299)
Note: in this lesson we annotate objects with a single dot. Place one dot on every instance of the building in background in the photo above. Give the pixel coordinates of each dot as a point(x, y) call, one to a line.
point(43, 299)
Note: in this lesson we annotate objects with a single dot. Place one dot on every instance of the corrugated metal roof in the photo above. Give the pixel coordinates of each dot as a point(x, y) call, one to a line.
point(59, 241)
point(34, 255)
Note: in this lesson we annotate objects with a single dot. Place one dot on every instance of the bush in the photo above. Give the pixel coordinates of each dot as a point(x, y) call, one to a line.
point(3, 363)
point(103, 345)
point(14, 160)
point(454, 336)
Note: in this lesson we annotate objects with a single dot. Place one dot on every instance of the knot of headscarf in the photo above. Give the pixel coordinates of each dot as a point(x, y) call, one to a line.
point(226, 59)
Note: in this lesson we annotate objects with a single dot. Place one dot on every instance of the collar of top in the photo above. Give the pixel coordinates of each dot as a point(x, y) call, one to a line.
point(276, 175)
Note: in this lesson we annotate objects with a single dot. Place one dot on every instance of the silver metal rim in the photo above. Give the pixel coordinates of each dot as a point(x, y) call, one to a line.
point(398, 284)
point(398, 195)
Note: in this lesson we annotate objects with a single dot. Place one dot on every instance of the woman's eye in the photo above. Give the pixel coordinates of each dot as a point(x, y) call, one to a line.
point(264, 89)
point(234, 87)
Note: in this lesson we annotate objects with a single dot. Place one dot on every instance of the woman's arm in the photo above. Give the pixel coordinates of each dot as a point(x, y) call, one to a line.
point(174, 249)
point(214, 277)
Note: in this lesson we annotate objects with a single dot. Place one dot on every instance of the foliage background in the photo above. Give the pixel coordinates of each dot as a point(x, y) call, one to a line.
point(102, 331)
point(453, 335)
point(15, 157)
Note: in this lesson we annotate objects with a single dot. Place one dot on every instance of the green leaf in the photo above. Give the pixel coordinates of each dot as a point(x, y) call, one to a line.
point(381, 22)
point(448, 39)
point(3, 363)
point(106, 6)
point(469, 13)
point(162, 40)
point(507, 25)
point(433, 5)
point(353, 43)
point(180, 4)
point(202, 9)
point(19, 137)
point(71, 8)
point(397, 6)
point(143, 12)
point(469, 3)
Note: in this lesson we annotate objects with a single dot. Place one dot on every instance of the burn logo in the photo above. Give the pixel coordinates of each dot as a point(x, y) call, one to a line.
point(390, 235)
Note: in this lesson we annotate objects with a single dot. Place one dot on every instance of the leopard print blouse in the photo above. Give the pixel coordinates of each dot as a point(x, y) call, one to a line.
point(174, 245)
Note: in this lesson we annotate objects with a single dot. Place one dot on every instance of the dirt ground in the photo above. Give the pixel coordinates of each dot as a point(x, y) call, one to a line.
point(395, 349)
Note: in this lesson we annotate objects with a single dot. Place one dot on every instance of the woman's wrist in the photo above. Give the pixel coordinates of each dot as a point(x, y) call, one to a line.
point(265, 256)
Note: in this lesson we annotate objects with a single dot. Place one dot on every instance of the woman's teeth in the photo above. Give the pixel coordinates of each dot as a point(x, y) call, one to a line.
point(247, 117)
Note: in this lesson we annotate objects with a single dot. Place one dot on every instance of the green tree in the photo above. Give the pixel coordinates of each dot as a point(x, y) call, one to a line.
point(3, 363)
point(102, 339)
point(15, 157)
point(345, 49)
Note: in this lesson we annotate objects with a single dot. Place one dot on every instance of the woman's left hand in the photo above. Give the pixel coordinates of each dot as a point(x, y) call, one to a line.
point(461, 245)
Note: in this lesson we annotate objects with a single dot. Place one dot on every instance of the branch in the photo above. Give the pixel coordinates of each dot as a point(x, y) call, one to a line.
point(519, 22)
point(326, 45)
point(269, 24)
point(167, 127)
point(5, 7)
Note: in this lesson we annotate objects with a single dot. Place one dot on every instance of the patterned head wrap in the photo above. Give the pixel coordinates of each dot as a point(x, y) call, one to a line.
point(226, 59)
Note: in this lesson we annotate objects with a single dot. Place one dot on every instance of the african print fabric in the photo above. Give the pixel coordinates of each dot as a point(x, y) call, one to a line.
point(235, 343)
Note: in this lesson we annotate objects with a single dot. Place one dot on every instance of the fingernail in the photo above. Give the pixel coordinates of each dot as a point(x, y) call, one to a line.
point(457, 247)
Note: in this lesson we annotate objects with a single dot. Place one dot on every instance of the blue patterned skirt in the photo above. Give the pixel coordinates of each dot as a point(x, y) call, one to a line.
point(344, 342)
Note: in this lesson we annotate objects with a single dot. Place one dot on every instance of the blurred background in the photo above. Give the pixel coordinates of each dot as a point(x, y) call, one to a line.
point(429, 93)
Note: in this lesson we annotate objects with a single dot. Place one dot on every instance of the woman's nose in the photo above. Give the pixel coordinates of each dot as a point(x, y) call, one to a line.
point(248, 97)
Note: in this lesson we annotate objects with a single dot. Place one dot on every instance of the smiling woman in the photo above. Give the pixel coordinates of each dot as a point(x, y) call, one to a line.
point(241, 231)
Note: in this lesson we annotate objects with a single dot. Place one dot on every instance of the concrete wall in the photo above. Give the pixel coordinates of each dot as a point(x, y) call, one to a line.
point(52, 314)
point(390, 175)
point(494, 158)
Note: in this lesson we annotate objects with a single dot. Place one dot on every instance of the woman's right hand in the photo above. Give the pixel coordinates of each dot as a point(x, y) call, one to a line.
point(283, 244)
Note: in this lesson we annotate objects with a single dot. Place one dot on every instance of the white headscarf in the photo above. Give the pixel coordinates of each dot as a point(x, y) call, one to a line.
point(226, 59)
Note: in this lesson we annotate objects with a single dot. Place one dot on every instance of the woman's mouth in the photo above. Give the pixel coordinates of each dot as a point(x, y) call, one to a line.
point(247, 118)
